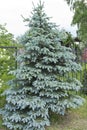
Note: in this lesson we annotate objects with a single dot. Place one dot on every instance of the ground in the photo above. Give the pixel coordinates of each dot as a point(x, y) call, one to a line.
point(75, 119)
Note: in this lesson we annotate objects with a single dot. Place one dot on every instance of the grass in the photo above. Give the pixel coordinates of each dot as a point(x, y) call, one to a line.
point(75, 119)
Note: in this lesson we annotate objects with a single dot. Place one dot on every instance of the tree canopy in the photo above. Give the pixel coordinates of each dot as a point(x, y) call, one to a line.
point(7, 60)
point(80, 17)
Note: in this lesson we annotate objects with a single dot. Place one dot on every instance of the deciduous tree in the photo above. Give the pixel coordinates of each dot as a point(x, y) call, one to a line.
point(7, 60)
point(79, 8)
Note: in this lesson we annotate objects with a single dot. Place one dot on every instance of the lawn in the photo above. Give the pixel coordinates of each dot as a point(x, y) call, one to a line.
point(75, 119)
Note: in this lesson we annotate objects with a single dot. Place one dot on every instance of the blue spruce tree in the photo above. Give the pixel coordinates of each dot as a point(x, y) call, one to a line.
point(40, 87)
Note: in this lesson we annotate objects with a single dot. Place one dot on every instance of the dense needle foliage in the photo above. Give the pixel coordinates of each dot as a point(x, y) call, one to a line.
point(39, 87)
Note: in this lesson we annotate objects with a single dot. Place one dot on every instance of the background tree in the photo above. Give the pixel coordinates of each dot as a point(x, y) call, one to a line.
point(39, 87)
point(70, 2)
point(80, 18)
point(7, 60)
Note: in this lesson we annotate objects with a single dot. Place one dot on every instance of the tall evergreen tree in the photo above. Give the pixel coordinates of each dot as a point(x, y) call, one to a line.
point(40, 86)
